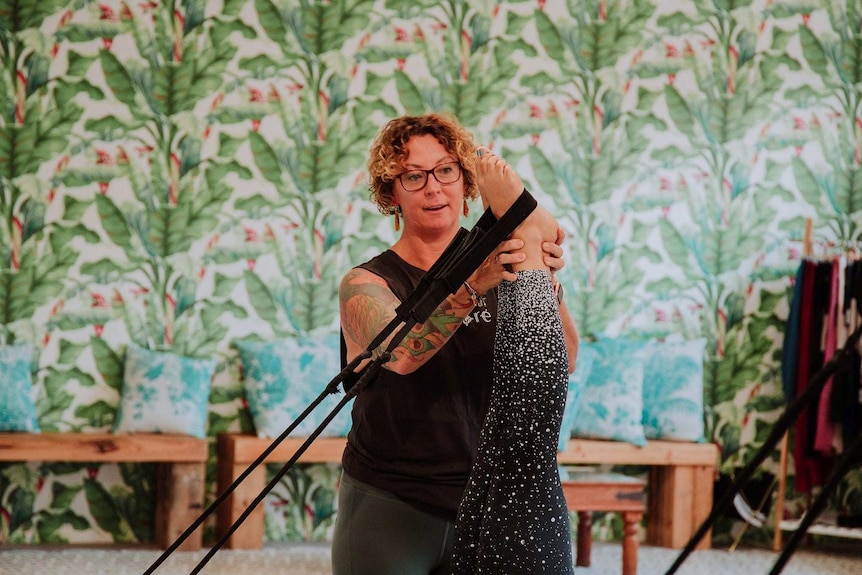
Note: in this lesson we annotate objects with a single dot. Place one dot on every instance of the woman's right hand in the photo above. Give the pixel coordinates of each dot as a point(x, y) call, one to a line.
point(495, 269)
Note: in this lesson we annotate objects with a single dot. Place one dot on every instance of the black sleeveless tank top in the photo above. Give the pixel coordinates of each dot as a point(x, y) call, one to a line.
point(416, 435)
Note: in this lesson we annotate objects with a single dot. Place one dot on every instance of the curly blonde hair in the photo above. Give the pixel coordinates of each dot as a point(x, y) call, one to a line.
point(389, 152)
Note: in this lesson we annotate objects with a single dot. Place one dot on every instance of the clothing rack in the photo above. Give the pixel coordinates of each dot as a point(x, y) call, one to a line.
point(779, 523)
point(843, 357)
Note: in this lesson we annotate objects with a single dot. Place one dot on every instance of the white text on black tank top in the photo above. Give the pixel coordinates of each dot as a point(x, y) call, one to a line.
point(478, 316)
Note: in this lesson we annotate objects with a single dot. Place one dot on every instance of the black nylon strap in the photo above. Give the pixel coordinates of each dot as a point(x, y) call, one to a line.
point(462, 257)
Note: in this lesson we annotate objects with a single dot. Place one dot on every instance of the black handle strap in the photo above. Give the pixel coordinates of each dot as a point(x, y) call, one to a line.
point(459, 261)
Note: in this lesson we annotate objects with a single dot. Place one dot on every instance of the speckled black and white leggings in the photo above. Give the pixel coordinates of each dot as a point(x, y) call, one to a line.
point(513, 517)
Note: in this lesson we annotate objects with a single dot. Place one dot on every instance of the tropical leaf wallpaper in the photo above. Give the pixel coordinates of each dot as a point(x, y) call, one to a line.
point(180, 174)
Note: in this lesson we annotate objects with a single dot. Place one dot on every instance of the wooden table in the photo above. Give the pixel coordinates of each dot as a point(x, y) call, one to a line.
point(588, 491)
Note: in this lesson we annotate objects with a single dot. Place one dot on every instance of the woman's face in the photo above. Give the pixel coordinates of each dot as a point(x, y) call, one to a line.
point(436, 206)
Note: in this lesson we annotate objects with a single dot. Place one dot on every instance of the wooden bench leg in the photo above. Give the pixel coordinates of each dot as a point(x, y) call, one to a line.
point(679, 499)
point(631, 520)
point(179, 502)
point(584, 539)
point(249, 535)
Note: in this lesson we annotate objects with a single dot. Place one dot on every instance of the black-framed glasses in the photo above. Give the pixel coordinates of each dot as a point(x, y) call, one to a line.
point(415, 180)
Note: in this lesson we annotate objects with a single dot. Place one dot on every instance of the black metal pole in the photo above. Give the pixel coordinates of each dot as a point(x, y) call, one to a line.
point(275, 443)
point(811, 391)
point(845, 463)
point(269, 487)
point(464, 254)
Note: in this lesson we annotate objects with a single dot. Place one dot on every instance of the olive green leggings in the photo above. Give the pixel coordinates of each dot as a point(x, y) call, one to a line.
point(378, 534)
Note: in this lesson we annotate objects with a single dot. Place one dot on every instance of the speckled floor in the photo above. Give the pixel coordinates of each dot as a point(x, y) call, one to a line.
point(313, 559)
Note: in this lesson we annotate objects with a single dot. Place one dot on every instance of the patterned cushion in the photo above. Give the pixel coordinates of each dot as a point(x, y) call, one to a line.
point(577, 381)
point(673, 391)
point(164, 392)
point(611, 404)
point(283, 377)
point(17, 410)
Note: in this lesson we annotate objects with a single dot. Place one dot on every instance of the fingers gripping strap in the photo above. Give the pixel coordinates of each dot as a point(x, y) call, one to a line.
point(458, 262)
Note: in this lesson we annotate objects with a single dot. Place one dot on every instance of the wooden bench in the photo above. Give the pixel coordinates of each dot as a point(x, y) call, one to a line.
point(181, 469)
point(679, 483)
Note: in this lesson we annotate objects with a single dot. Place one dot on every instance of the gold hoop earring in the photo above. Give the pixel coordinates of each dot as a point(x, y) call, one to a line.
point(466, 207)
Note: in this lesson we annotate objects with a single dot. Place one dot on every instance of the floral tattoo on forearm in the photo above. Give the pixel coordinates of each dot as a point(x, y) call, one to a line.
point(369, 307)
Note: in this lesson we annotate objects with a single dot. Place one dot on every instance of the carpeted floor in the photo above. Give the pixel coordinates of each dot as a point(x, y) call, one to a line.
point(313, 559)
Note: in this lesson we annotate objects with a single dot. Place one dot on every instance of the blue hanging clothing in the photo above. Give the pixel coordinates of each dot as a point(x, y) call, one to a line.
point(791, 337)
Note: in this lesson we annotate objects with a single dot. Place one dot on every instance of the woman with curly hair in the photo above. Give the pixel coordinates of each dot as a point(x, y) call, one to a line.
point(416, 428)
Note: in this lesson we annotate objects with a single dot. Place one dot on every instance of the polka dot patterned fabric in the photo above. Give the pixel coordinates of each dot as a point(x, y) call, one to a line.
point(513, 517)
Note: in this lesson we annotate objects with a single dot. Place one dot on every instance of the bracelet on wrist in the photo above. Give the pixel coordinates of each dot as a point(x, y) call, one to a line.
point(478, 300)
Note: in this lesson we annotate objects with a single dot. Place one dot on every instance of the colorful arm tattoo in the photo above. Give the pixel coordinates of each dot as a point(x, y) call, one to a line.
point(368, 305)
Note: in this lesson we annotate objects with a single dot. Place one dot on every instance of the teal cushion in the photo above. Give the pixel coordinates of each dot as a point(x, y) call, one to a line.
point(164, 393)
point(611, 403)
point(283, 377)
point(577, 381)
point(17, 409)
point(673, 391)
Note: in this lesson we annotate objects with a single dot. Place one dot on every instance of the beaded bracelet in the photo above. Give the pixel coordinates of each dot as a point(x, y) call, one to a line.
point(478, 300)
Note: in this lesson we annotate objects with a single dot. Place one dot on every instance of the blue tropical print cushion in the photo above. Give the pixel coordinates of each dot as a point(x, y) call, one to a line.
point(611, 405)
point(283, 377)
point(577, 381)
point(17, 409)
point(673, 391)
point(164, 393)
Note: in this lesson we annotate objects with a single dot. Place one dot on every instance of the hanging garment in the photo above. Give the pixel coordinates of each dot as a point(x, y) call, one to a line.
point(823, 432)
point(790, 347)
point(809, 470)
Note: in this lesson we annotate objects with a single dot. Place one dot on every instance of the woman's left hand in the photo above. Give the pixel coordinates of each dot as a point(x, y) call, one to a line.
point(553, 257)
